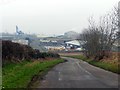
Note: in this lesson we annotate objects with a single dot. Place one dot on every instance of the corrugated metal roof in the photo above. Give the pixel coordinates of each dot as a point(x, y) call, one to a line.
point(74, 42)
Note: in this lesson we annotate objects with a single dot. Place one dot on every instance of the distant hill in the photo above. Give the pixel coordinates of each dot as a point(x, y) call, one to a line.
point(69, 35)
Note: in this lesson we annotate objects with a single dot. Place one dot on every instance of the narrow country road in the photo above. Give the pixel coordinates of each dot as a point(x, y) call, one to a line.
point(78, 74)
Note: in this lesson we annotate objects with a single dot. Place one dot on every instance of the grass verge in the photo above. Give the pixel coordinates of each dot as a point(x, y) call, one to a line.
point(19, 75)
point(113, 67)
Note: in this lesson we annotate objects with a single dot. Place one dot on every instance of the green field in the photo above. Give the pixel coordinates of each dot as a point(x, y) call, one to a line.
point(19, 75)
point(0, 78)
point(105, 65)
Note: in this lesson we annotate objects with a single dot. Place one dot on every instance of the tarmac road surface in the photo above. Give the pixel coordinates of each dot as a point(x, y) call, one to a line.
point(78, 74)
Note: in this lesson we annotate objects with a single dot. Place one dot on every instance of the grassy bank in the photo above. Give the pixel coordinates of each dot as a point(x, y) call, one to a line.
point(110, 66)
point(19, 75)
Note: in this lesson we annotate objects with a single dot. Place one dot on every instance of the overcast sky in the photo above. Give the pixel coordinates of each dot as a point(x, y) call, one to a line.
point(50, 16)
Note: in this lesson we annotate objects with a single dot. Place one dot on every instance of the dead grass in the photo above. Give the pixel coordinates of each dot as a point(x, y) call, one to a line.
point(70, 53)
point(112, 59)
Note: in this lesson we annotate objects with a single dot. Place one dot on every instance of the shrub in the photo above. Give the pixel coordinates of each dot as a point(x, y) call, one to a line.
point(17, 52)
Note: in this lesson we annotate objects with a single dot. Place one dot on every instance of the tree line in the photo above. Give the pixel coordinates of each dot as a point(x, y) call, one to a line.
point(99, 37)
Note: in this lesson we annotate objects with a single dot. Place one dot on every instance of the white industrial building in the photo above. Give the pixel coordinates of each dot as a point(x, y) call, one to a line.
point(74, 45)
point(21, 41)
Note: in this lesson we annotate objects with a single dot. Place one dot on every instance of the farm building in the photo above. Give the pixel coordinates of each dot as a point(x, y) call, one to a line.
point(73, 45)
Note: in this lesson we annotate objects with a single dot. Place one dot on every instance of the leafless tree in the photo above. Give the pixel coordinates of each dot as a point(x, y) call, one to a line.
point(100, 37)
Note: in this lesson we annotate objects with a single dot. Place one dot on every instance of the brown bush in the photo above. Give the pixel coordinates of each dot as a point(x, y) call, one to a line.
point(17, 52)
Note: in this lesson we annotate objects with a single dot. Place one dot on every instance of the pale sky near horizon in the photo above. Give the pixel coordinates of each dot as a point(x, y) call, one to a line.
point(50, 16)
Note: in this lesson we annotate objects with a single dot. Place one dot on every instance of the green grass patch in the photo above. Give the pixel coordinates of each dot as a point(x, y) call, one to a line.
point(19, 75)
point(107, 66)
point(0, 78)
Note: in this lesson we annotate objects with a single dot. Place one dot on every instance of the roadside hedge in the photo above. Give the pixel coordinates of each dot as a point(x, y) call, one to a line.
point(17, 52)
